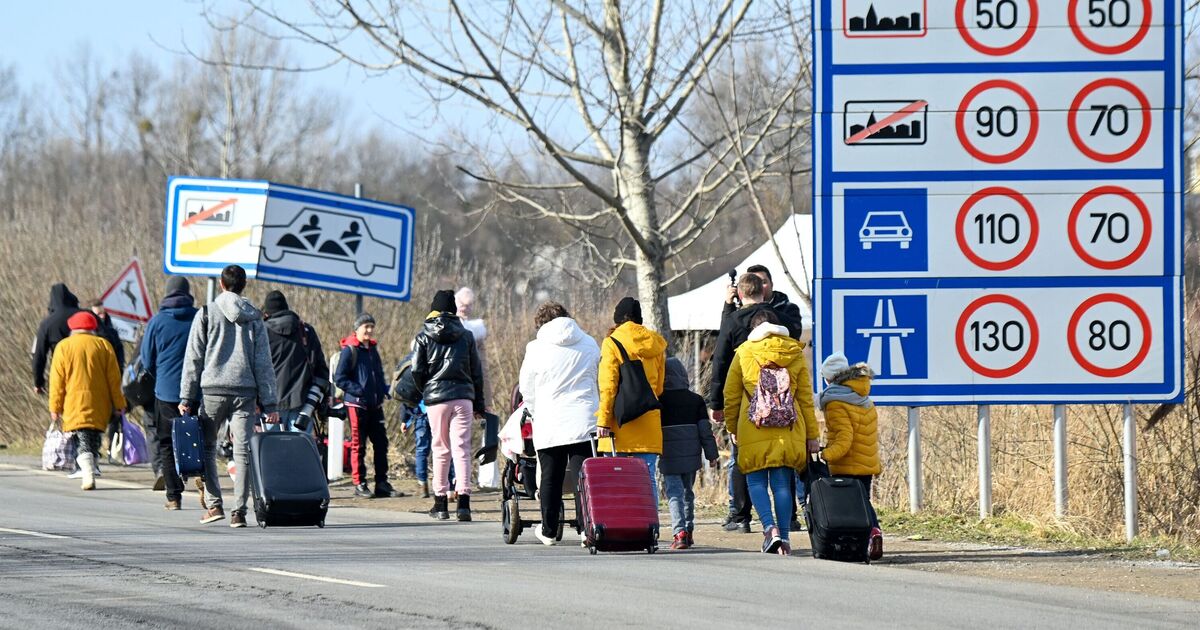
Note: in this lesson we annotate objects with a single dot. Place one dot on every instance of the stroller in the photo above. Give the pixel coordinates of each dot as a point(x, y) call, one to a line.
point(518, 480)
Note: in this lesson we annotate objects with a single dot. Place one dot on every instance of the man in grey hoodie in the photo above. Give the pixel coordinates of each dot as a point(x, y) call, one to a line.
point(229, 359)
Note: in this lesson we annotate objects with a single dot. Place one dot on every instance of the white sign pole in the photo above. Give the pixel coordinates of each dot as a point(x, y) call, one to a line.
point(358, 298)
point(985, 461)
point(212, 290)
point(916, 481)
point(1130, 453)
point(1060, 460)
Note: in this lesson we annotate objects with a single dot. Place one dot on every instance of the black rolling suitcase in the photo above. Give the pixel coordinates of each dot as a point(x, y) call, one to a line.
point(288, 480)
point(839, 521)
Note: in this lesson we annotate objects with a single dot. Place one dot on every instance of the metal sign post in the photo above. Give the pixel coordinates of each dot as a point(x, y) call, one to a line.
point(985, 461)
point(916, 481)
point(1130, 456)
point(1060, 460)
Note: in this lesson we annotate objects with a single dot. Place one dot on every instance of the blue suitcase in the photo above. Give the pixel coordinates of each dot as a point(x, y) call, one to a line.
point(187, 442)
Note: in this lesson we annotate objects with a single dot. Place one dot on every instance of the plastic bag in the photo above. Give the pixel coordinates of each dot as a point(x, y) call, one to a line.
point(58, 451)
point(133, 442)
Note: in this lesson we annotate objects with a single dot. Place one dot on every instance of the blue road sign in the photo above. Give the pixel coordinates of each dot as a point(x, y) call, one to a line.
point(890, 227)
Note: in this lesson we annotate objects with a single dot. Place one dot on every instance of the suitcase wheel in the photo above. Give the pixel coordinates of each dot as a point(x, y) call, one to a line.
point(262, 523)
point(592, 550)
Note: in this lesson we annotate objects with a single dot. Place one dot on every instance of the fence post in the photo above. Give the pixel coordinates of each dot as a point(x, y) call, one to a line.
point(1060, 460)
point(916, 480)
point(1130, 452)
point(985, 461)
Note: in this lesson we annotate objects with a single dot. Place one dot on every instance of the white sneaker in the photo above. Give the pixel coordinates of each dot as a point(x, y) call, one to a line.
point(78, 474)
point(546, 540)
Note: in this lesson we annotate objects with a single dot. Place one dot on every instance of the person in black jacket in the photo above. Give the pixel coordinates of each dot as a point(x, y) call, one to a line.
point(297, 357)
point(360, 375)
point(687, 434)
point(447, 370)
point(53, 329)
point(788, 312)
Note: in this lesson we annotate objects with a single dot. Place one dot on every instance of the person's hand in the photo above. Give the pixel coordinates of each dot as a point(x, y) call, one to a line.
point(714, 463)
point(814, 446)
point(56, 417)
point(733, 438)
point(39, 391)
point(717, 415)
point(184, 409)
point(603, 432)
point(479, 415)
point(273, 418)
point(730, 294)
point(404, 427)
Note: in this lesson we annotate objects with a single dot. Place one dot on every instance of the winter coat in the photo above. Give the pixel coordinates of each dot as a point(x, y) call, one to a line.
point(789, 313)
point(446, 365)
point(687, 432)
point(478, 329)
point(109, 332)
point(852, 447)
point(360, 374)
point(760, 448)
point(735, 328)
point(644, 433)
point(558, 383)
point(297, 357)
point(228, 354)
point(85, 382)
point(164, 345)
point(53, 329)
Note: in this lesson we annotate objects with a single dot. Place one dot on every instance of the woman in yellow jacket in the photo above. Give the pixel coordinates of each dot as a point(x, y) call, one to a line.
point(769, 456)
point(642, 436)
point(85, 389)
point(852, 447)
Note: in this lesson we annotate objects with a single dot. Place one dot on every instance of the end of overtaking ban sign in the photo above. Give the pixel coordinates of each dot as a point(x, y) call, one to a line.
point(998, 195)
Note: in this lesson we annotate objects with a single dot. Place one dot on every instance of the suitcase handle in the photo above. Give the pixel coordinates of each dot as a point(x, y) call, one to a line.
point(595, 438)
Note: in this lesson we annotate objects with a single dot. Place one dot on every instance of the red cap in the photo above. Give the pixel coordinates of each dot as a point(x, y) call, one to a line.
point(83, 320)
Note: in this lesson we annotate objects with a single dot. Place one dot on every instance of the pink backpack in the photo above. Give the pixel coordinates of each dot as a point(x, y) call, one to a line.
point(772, 404)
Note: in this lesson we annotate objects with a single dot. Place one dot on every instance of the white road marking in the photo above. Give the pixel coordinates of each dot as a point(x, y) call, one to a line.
point(317, 578)
point(116, 483)
point(26, 532)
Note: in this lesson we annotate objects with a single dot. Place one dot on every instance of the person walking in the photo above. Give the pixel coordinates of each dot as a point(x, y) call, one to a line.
point(228, 358)
point(109, 332)
point(297, 358)
point(447, 371)
point(85, 389)
point(558, 384)
point(852, 449)
point(164, 345)
point(360, 375)
point(52, 329)
point(769, 413)
point(687, 435)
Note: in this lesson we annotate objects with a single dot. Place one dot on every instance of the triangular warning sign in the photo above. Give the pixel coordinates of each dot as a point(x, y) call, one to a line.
point(127, 296)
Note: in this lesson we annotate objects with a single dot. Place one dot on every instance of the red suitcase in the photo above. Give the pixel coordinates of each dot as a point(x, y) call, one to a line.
point(617, 504)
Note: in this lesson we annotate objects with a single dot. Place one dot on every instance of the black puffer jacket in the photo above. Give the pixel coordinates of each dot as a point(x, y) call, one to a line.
point(446, 365)
point(53, 329)
point(687, 432)
point(297, 357)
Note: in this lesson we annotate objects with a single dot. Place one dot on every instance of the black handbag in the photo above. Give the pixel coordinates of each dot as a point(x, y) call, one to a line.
point(486, 453)
point(138, 385)
point(634, 396)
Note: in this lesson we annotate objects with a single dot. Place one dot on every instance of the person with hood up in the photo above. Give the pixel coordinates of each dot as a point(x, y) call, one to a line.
point(852, 448)
point(447, 370)
point(687, 435)
point(85, 389)
point(558, 385)
point(297, 357)
point(641, 437)
point(228, 358)
point(360, 376)
point(164, 344)
point(53, 329)
point(771, 446)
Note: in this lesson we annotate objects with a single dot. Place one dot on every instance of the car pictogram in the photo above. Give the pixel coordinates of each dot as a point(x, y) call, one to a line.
point(331, 235)
point(885, 226)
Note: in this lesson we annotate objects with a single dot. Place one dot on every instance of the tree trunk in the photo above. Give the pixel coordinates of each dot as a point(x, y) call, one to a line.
point(637, 190)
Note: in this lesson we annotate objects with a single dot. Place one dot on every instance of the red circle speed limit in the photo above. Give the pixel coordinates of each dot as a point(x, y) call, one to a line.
point(1109, 227)
point(1116, 120)
point(996, 336)
point(1004, 121)
point(997, 228)
point(1109, 335)
point(996, 27)
point(1109, 27)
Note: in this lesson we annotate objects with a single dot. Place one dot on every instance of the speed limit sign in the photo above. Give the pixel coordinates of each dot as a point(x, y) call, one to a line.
point(1109, 335)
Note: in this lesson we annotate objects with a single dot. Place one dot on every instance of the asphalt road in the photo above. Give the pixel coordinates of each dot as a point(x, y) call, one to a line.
point(113, 558)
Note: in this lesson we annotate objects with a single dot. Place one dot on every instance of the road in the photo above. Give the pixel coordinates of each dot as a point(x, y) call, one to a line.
point(113, 558)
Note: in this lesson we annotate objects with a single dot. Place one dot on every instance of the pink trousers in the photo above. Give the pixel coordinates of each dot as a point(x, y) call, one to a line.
point(451, 423)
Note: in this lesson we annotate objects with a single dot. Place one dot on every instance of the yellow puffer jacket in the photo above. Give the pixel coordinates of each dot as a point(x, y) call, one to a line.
point(853, 444)
point(760, 448)
point(644, 434)
point(85, 382)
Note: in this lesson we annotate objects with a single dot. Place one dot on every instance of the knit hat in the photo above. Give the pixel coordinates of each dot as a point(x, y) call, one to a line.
point(83, 320)
point(275, 303)
point(834, 364)
point(363, 318)
point(443, 302)
point(628, 309)
point(178, 284)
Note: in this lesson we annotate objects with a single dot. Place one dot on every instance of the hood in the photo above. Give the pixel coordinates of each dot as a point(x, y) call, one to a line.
point(444, 327)
point(646, 343)
point(745, 314)
point(853, 391)
point(560, 331)
point(765, 330)
point(176, 300)
point(236, 308)
point(860, 385)
point(352, 340)
point(185, 312)
point(676, 377)
point(62, 298)
point(774, 347)
point(284, 323)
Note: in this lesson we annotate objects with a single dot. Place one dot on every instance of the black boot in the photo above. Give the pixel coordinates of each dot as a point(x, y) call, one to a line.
point(439, 509)
point(464, 507)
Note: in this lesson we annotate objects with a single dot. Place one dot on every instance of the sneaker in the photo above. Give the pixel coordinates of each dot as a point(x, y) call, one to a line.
point(546, 540)
point(172, 504)
point(160, 483)
point(771, 540)
point(680, 541)
point(733, 524)
point(384, 490)
point(237, 518)
point(363, 490)
point(213, 515)
point(796, 526)
point(875, 550)
point(78, 474)
point(785, 548)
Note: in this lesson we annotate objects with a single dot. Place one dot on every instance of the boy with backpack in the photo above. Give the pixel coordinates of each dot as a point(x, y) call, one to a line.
point(359, 374)
point(687, 434)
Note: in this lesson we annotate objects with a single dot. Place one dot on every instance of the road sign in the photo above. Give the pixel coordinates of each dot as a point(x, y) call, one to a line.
point(127, 296)
point(289, 234)
point(998, 197)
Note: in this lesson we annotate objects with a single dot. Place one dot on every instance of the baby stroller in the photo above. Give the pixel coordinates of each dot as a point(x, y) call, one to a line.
point(518, 480)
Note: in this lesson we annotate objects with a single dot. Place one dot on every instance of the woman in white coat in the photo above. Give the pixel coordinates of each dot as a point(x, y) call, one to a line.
point(559, 385)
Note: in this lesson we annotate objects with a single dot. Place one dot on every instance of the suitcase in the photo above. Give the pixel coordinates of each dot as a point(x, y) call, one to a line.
point(288, 479)
point(839, 523)
point(617, 504)
point(187, 443)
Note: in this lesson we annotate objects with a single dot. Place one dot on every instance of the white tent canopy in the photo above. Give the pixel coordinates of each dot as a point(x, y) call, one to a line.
point(700, 308)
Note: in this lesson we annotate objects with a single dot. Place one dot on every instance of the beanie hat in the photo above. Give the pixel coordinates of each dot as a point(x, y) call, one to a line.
point(275, 303)
point(178, 284)
point(443, 302)
point(628, 309)
point(363, 318)
point(83, 320)
point(834, 364)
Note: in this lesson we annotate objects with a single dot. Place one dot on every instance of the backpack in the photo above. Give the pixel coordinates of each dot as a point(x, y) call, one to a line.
point(334, 359)
point(772, 404)
point(634, 396)
point(404, 386)
point(137, 384)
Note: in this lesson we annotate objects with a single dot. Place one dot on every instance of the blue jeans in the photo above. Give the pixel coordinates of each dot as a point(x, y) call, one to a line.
point(651, 460)
point(287, 422)
point(780, 482)
point(682, 501)
point(424, 441)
